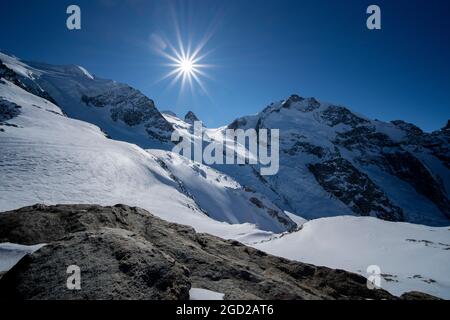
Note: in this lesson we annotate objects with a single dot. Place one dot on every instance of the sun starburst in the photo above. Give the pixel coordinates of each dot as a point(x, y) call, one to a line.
point(186, 65)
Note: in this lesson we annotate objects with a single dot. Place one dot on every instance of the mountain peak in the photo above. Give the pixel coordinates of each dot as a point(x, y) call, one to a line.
point(295, 98)
point(301, 103)
point(170, 113)
point(408, 127)
point(190, 117)
point(447, 126)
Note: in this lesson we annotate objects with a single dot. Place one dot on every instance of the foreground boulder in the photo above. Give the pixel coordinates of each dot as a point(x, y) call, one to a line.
point(127, 253)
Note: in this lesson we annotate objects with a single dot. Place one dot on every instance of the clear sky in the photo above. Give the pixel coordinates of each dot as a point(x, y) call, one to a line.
point(260, 51)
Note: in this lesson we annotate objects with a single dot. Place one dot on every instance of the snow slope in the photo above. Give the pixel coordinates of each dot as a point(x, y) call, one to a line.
point(410, 257)
point(47, 157)
point(221, 197)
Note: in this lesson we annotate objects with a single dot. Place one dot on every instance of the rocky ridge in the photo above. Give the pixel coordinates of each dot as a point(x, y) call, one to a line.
point(126, 253)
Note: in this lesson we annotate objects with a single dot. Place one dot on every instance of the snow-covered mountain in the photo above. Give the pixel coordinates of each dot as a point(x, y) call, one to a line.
point(118, 109)
point(334, 162)
point(56, 125)
point(48, 157)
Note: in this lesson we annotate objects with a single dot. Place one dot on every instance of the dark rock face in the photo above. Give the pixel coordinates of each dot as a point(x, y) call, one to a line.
point(8, 110)
point(408, 168)
point(133, 108)
point(302, 104)
point(237, 124)
point(439, 144)
point(414, 295)
point(411, 129)
point(24, 83)
point(364, 138)
point(126, 253)
point(292, 99)
point(114, 264)
point(306, 147)
point(355, 189)
point(8, 74)
point(190, 117)
point(274, 214)
point(335, 115)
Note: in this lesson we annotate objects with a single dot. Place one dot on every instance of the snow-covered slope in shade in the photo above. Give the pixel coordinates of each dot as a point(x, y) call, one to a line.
point(220, 196)
point(49, 158)
point(411, 257)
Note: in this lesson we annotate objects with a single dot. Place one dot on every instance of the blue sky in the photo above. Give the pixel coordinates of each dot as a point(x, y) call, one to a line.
point(262, 51)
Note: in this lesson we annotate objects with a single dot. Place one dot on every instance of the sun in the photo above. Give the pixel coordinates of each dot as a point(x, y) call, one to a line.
point(187, 66)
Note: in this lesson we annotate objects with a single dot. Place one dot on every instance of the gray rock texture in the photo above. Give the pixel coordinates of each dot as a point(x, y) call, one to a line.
point(127, 253)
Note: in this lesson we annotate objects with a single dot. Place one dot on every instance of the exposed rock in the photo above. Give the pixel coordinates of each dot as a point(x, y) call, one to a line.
point(238, 123)
point(24, 83)
point(114, 264)
point(364, 138)
point(274, 214)
point(299, 103)
point(354, 188)
point(126, 253)
point(8, 110)
point(409, 128)
point(292, 99)
point(408, 168)
point(190, 117)
point(439, 144)
point(305, 147)
point(335, 115)
point(133, 108)
point(414, 295)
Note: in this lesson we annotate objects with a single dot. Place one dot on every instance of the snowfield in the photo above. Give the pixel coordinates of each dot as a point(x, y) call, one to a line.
point(411, 257)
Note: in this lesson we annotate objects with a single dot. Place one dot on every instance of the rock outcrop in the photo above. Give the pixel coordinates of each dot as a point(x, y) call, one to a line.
point(127, 253)
point(190, 118)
